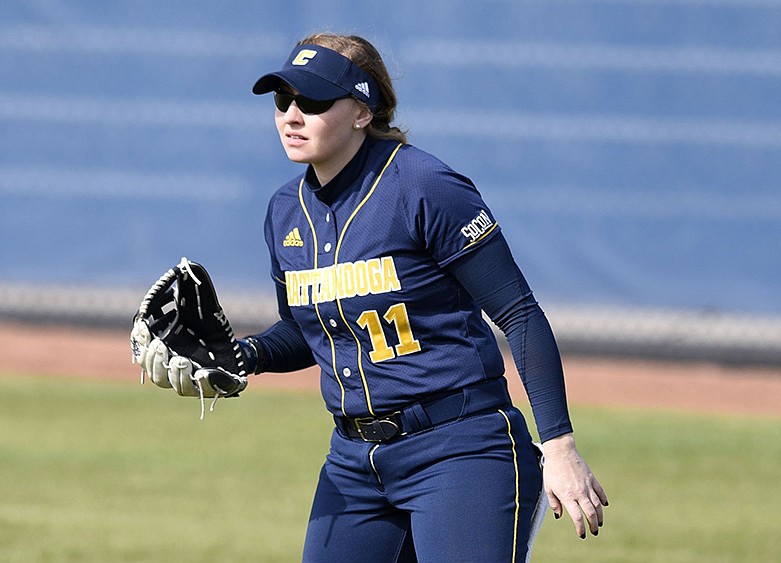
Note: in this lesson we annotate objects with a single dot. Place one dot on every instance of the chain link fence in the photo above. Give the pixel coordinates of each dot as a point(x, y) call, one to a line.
point(621, 332)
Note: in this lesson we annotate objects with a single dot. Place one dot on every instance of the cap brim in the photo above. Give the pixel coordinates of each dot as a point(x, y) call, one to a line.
point(306, 83)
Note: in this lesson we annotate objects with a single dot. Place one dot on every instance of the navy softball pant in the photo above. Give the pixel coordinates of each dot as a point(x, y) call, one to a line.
point(468, 490)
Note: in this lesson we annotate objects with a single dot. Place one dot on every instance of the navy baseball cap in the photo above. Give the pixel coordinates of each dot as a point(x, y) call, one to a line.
point(322, 74)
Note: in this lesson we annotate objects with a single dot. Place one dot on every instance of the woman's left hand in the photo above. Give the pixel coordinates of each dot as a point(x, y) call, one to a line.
point(570, 485)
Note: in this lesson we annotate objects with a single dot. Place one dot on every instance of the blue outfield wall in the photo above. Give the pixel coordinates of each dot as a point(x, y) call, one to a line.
point(631, 149)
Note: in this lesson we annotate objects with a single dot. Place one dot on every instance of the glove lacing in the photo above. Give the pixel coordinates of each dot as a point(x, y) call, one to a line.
point(184, 266)
point(201, 396)
point(203, 400)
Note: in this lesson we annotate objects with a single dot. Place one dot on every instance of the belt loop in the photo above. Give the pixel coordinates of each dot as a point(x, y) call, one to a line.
point(486, 393)
point(468, 394)
point(415, 418)
point(341, 424)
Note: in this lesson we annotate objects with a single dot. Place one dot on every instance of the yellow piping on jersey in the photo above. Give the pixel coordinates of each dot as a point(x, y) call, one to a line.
point(517, 477)
point(481, 237)
point(336, 260)
point(317, 309)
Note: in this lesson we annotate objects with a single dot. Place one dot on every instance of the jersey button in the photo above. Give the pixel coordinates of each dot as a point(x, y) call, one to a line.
point(346, 372)
point(327, 247)
point(332, 323)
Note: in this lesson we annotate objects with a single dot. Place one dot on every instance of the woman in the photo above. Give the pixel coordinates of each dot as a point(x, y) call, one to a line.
point(383, 259)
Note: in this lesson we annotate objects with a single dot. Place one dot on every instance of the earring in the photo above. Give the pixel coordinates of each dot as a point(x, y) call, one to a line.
point(356, 126)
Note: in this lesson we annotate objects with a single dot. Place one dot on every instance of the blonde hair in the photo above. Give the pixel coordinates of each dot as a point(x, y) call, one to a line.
point(366, 56)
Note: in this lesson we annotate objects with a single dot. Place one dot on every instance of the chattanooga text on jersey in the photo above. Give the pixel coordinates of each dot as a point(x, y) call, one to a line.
point(342, 281)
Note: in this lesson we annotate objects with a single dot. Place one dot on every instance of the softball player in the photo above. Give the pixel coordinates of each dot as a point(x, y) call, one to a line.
point(383, 259)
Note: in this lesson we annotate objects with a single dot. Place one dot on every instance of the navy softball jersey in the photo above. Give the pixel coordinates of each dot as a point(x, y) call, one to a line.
point(383, 273)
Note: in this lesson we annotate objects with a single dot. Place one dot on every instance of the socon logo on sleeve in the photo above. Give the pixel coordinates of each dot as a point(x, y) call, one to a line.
point(478, 227)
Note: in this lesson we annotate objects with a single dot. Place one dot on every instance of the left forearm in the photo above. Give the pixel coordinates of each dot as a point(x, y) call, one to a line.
point(491, 276)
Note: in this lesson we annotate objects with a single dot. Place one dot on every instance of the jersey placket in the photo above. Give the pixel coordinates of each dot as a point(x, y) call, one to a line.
point(345, 346)
point(347, 361)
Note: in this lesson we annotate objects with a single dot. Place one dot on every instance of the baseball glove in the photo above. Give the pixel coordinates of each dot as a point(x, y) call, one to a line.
point(182, 339)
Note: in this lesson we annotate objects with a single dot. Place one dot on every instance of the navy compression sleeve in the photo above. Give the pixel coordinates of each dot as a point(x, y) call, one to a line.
point(283, 347)
point(490, 275)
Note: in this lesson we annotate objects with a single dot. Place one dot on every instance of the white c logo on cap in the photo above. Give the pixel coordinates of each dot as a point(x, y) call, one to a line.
point(303, 57)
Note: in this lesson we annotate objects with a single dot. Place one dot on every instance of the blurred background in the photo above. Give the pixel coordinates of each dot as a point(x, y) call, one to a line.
point(631, 150)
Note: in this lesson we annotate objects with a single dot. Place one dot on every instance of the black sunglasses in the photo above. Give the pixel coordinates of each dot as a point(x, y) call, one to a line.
point(307, 105)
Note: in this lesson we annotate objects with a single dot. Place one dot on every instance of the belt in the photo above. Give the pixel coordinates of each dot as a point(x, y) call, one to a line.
point(467, 401)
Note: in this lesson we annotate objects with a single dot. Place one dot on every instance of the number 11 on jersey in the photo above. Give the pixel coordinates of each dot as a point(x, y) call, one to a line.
point(397, 316)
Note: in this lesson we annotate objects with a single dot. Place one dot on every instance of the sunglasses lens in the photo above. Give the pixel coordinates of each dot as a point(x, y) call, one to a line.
point(307, 105)
point(314, 107)
point(283, 100)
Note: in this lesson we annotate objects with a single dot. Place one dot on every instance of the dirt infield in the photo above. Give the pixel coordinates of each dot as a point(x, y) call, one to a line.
point(76, 352)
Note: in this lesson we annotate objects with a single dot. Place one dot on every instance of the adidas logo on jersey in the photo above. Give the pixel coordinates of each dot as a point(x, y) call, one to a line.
point(363, 88)
point(293, 238)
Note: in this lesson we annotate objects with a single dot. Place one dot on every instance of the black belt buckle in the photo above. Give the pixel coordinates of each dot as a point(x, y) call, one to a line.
point(380, 429)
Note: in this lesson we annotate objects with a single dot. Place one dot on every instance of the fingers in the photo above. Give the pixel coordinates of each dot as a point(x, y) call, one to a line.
point(593, 515)
point(596, 502)
point(572, 506)
point(575, 513)
point(584, 516)
point(584, 507)
point(598, 499)
point(599, 491)
point(555, 505)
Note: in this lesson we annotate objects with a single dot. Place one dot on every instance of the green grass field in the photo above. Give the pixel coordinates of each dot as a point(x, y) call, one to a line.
point(113, 472)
